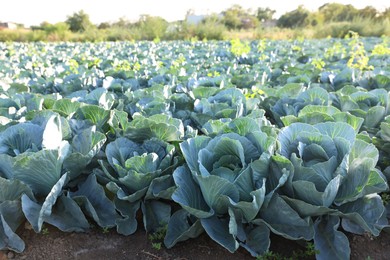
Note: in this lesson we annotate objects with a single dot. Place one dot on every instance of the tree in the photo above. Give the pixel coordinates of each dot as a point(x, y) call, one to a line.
point(264, 14)
point(368, 12)
point(295, 18)
point(152, 27)
point(123, 22)
point(232, 17)
point(79, 22)
point(385, 14)
point(335, 12)
point(237, 17)
point(104, 25)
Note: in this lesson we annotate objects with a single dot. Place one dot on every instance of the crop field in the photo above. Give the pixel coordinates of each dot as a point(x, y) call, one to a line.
point(237, 140)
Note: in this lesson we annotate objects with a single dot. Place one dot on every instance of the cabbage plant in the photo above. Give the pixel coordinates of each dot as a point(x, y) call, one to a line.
point(333, 179)
point(225, 187)
point(36, 167)
point(227, 103)
point(139, 176)
point(371, 105)
point(291, 106)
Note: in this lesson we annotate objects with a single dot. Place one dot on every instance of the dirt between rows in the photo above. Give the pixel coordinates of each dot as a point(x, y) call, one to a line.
point(53, 244)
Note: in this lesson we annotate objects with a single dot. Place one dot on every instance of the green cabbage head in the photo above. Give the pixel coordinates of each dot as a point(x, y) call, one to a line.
point(225, 190)
point(332, 178)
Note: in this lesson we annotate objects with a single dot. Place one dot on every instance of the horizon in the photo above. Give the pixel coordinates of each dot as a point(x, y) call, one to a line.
point(99, 12)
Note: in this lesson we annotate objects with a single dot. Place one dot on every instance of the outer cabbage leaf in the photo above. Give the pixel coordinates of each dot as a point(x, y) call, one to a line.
point(57, 210)
point(85, 146)
point(331, 243)
point(40, 170)
point(91, 197)
point(182, 226)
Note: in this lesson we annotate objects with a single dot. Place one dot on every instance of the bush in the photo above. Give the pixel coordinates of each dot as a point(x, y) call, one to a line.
point(119, 34)
point(366, 27)
point(209, 31)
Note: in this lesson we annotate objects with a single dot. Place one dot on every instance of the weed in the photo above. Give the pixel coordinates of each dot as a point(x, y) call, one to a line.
point(309, 252)
point(157, 237)
point(45, 231)
point(239, 48)
point(157, 245)
point(358, 55)
point(385, 198)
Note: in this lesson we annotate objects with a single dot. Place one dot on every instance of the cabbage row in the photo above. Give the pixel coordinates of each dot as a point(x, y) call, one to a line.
point(291, 138)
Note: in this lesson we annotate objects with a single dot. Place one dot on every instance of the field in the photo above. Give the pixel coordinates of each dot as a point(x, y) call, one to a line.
point(239, 143)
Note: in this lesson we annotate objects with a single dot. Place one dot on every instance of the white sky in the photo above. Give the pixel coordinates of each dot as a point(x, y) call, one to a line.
point(33, 12)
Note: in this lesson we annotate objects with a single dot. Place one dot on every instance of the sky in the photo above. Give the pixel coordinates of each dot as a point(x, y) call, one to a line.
point(33, 12)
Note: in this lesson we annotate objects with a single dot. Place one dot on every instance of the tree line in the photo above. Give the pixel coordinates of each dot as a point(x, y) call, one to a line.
point(331, 19)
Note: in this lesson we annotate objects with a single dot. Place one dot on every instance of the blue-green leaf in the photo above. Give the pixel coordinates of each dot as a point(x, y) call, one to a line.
point(214, 189)
point(218, 230)
point(181, 227)
point(190, 149)
point(285, 221)
point(91, 197)
point(189, 195)
point(257, 240)
point(332, 244)
point(126, 225)
point(8, 238)
point(40, 170)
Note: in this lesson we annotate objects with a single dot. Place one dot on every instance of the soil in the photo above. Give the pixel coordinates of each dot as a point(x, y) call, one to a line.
point(99, 244)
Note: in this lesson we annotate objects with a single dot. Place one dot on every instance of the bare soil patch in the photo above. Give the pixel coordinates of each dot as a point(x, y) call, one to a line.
point(99, 244)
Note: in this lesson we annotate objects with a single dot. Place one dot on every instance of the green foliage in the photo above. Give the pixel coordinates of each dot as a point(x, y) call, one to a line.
point(358, 56)
point(237, 18)
point(239, 48)
point(152, 27)
point(363, 26)
point(158, 236)
point(45, 231)
point(295, 18)
point(105, 230)
point(335, 12)
point(79, 21)
point(318, 63)
point(208, 30)
point(264, 14)
point(157, 245)
point(382, 48)
point(308, 253)
point(386, 198)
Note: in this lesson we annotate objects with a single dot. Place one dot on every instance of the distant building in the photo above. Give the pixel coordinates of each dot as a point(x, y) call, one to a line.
point(194, 18)
point(8, 25)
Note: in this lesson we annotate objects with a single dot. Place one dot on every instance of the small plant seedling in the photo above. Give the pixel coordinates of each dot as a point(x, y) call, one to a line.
point(308, 253)
point(45, 231)
point(158, 236)
point(157, 246)
point(385, 198)
point(105, 230)
point(270, 256)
